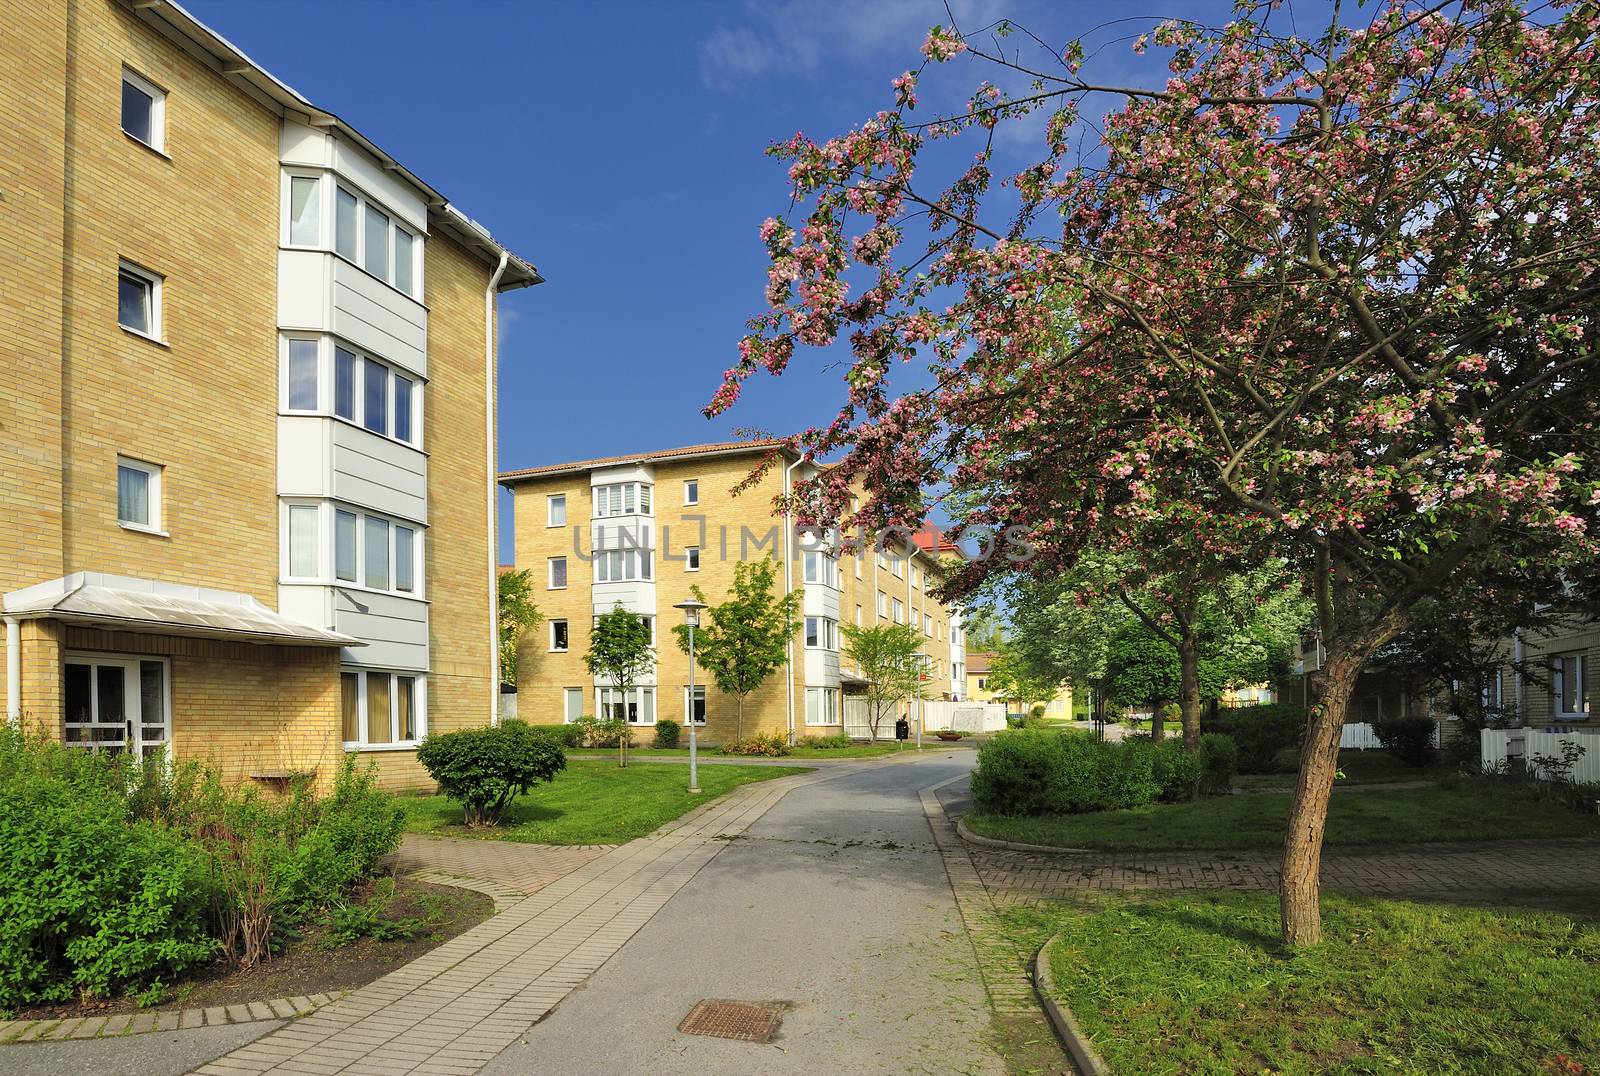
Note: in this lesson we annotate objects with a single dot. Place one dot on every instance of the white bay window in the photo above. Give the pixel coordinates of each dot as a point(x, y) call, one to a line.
point(368, 550)
point(322, 375)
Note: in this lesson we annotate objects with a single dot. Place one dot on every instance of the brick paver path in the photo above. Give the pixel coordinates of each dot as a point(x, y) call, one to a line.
point(1493, 868)
point(527, 868)
point(449, 1012)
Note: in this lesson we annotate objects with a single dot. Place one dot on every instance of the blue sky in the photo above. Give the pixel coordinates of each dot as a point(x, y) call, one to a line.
point(619, 147)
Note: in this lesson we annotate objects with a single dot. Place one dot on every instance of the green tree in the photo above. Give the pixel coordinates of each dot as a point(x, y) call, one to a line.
point(1011, 676)
point(745, 638)
point(886, 657)
point(620, 650)
point(518, 615)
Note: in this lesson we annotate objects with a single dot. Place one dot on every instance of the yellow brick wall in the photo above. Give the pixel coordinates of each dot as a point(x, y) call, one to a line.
point(1581, 637)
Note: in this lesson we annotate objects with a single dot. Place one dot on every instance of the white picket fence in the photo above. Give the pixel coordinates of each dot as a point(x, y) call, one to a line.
point(1360, 737)
point(1501, 745)
point(968, 717)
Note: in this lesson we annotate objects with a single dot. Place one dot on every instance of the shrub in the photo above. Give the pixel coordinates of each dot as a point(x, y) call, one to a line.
point(353, 830)
point(608, 733)
point(826, 743)
point(484, 769)
point(1219, 761)
point(568, 735)
point(1410, 739)
point(667, 733)
point(1027, 772)
point(1175, 770)
point(1261, 733)
point(770, 744)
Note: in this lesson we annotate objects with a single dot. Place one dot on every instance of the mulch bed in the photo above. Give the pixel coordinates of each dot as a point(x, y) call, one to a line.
point(310, 963)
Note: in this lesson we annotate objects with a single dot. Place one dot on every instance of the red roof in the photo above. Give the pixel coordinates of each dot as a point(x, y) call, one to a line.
point(978, 662)
point(720, 448)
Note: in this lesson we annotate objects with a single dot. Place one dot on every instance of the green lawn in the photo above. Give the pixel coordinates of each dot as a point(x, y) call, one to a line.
point(1359, 768)
point(1196, 983)
point(855, 750)
point(592, 803)
point(1402, 816)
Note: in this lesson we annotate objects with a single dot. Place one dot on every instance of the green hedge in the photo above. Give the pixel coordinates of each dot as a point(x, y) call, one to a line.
point(484, 769)
point(1028, 772)
point(1262, 734)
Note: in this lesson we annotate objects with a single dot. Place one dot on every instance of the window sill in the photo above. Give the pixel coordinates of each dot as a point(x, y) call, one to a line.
point(138, 529)
point(136, 140)
point(157, 341)
point(566, 651)
point(378, 748)
point(358, 588)
point(555, 588)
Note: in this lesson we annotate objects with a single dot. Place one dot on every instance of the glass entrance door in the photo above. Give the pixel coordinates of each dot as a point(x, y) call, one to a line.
point(116, 704)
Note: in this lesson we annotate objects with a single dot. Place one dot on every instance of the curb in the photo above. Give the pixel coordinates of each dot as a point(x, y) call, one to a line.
point(1009, 846)
point(59, 1029)
point(1078, 1046)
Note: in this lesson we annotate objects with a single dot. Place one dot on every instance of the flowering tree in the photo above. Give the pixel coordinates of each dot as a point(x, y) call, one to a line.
point(1333, 295)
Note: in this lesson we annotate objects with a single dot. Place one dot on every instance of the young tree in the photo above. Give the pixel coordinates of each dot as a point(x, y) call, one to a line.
point(1332, 294)
point(517, 615)
point(620, 651)
point(745, 639)
point(1012, 677)
point(886, 657)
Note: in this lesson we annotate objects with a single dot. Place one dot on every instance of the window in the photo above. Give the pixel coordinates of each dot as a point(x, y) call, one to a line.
point(302, 374)
point(402, 408)
point(820, 567)
point(405, 558)
point(640, 708)
point(344, 545)
point(139, 300)
point(376, 542)
point(1568, 690)
point(558, 573)
point(622, 499)
point(927, 625)
point(347, 210)
point(822, 632)
point(1491, 689)
point(572, 704)
point(304, 541)
point(367, 236)
point(983, 684)
point(138, 495)
point(375, 396)
point(558, 636)
point(691, 491)
point(821, 705)
point(404, 259)
point(305, 211)
point(555, 511)
point(379, 709)
point(375, 248)
point(691, 559)
point(899, 610)
point(883, 604)
point(694, 708)
point(621, 565)
point(387, 401)
point(144, 107)
point(915, 579)
point(897, 567)
point(344, 383)
point(858, 616)
point(857, 560)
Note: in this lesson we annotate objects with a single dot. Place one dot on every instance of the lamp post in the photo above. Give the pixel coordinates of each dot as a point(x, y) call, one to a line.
point(691, 618)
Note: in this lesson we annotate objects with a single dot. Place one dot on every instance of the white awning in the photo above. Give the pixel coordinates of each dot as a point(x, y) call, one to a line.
point(123, 603)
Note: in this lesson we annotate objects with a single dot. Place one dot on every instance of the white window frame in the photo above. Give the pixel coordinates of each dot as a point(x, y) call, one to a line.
point(554, 649)
point(132, 701)
point(898, 609)
point(883, 606)
point(691, 558)
point(567, 717)
point(550, 573)
point(328, 548)
point(419, 711)
point(158, 110)
point(325, 210)
point(858, 616)
point(152, 473)
point(328, 347)
point(156, 283)
point(1560, 705)
point(826, 710)
point(636, 565)
point(688, 714)
point(363, 201)
point(601, 694)
point(635, 493)
point(691, 491)
point(323, 542)
point(551, 503)
point(826, 633)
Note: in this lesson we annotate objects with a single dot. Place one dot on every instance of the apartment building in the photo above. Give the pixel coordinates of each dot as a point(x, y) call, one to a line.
point(641, 530)
point(247, 386)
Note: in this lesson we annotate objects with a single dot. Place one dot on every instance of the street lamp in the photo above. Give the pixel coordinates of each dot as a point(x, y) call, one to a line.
point(691, 618)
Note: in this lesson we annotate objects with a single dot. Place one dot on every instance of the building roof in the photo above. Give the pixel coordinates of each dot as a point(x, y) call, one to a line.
point(122, 603)
point(205, 44)
point(718, 448)
point(978, 662)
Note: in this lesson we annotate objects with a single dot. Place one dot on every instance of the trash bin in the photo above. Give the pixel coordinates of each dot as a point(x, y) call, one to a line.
point(902, 729)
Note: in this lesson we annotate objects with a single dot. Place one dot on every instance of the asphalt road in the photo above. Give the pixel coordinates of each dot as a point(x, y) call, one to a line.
point(835, 905)
point(159, 1053)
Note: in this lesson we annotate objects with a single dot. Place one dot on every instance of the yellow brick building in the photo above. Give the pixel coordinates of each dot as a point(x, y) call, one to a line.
point(246, 385)
point(641, 530)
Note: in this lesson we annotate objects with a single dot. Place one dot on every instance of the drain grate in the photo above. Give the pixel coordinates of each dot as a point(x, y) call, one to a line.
point(743, 1020)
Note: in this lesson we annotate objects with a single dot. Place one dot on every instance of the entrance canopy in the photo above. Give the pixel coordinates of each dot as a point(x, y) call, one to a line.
point(123, 603)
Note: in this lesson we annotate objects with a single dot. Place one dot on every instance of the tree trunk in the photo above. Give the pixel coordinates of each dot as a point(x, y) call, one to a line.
point(1189, 689)
point(740, 726)
point(1158, 722)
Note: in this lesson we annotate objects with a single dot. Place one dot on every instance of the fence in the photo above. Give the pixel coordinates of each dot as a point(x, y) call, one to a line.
point(1359, 736)
point(1503, 745)
point(968, 717)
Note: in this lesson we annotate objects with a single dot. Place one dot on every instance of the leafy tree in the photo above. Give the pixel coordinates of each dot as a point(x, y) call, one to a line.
point(620, 651)
point(1333, 294)
point(518, 615)
point(886, 657)
point(1012, 677)
point(745, 639)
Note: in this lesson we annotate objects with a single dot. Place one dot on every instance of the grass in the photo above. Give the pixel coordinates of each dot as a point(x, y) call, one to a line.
point(1196, 982)
point(1479, 812)
point(1359, 768)
point(855, 750)
point(591, 803)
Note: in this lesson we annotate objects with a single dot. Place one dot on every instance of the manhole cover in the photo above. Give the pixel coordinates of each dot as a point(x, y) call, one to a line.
point(742, 1020)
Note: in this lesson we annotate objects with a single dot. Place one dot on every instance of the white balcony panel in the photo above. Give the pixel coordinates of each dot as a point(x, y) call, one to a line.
point(305, 290)
point(305, 456)
point(309, 603)
point(375, 472)
point(637, 472)
point(637, 596)
point(395, 629)
point(622, 532)
point(821, 600)
point(395, 195)
point(822, 670)
point(374, 316)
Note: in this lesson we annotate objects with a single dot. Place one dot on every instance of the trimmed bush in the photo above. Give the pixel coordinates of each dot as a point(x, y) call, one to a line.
point(768, 744)
point(826, 743)
point(1261, 733)
point(592, 732)
point(1028, 773)
point(1219, 762)
point(667, 733)
point(484, 769)
point(1410, 739)
point(569, 735)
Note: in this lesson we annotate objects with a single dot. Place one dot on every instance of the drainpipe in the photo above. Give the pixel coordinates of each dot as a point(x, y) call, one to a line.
point(788, 586)
point(1516, 671)
point(13, 671)
point(490, 438)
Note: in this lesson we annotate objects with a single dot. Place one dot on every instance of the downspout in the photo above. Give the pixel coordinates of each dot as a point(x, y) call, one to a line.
point(491, 436)
point(788, 586)
point(1516, 671)
point(13, 671)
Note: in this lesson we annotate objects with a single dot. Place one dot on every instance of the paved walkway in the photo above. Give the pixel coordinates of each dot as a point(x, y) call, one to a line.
point(523, 868)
